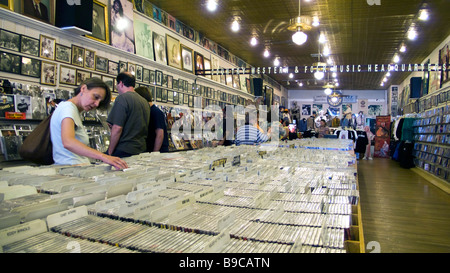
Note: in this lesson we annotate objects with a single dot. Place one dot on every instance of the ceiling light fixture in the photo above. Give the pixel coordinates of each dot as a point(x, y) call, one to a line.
point(322, 38)
point(423, 15)
point(266, 53)
point(291, 75)
point(316, 22)
point(396, 58)
point(300, 24)
point(211, 5)
point(235, 26)
point(402, 48)
point(276, 62)
point(253, 41)
point(328, 91)
point(412, 34)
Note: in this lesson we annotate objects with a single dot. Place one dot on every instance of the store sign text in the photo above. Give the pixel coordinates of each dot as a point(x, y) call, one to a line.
point(335, 68)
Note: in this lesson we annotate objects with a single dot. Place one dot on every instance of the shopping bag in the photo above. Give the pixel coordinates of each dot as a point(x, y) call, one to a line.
point(37, 146)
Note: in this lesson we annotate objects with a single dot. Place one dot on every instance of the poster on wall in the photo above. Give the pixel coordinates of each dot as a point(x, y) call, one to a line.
point(382, 136)
point(444, 56)
point(144, 39)
point(363, 106)
point(374, 110)
point(306, 109)
point(122, 34)
point(45, 12)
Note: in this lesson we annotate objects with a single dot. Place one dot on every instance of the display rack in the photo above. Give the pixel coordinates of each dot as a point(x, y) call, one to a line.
point(225, 199)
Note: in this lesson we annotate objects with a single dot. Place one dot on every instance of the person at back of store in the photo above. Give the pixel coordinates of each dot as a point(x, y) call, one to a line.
point(249, 134)
point(157, 140)
point(129, 119)
point(323, 129)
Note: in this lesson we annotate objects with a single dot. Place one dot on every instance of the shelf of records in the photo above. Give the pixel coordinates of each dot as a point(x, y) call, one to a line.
point(76, 63)
point(426, 103)
point(432, 141)
point(220, 200)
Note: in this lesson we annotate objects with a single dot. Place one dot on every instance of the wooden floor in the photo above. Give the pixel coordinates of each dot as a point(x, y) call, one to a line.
point(402, 211)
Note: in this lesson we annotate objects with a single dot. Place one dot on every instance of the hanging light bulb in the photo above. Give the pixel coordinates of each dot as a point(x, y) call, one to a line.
point(291, 75)
point(316, 22)
point(266, 53)
point(276, 62)
point(319, 75)
point(412, 34)
point(211, 5)
point(235, 26)
point(326, 51)
point(322, 38)
point(299, 37)
point(396, 58)
point(402, 48)
point(423, 15)
point(253, 41)
point(328, 91)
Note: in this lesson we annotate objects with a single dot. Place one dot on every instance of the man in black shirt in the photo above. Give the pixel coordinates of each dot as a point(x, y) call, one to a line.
point(157, 139)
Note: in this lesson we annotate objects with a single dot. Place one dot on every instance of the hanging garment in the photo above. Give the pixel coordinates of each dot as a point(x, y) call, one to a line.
point(361, 142)
point(407, 129)
point(303, 126)
point(335, 122)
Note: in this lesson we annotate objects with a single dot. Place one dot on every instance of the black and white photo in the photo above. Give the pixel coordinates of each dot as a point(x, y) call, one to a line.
point(30, 67)
point(47, 47)
point(63, 53)
point(9, 40)
point(29, 46)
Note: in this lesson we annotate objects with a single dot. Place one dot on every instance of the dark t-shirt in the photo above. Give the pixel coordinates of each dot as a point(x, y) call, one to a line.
point(132, 112)
point(157, 121)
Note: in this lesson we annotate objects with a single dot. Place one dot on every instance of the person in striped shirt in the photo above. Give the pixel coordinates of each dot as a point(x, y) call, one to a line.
point(249, 134)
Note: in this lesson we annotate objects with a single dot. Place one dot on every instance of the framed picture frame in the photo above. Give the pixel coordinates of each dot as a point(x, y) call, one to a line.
point(123, 66)
point(82, 75)
point(186, 99)
point(191, 101)
point(77, 56)
point(48, 73)
point(199, 64)
point(131, 68)
point(151, 89)
point(173, 52)
point(159, 48)
point(169, 96)
point(144, 39)
point(165, 82)
point(207, 66)
point(47, 47)
point(10, 62)
point(46, 10)
point(30, 46)
point(100, 23)
point(113, 68)
point(101, 64)
point(122, 38)
point(158, 94)
point(152, 77)
point(159, 77)
point(30, 67)
point(109, 82)
point(7, 4)
point(146, 75)
point(169, 81)
point(164, 95)
point(89, 59)
point(187, 57)
point(67, 75)
point(176, 98)
point(139, 73)
point(63, 53)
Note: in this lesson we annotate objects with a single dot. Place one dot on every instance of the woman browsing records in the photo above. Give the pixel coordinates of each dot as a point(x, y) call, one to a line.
point(69, 138)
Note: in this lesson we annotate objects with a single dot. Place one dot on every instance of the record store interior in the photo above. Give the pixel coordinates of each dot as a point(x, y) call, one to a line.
point(217, 126)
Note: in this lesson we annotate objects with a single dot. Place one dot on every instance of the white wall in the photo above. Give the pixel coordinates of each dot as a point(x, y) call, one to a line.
point(373, 97)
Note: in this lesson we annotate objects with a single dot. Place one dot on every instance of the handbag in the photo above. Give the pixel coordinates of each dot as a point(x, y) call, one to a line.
point(37, 146)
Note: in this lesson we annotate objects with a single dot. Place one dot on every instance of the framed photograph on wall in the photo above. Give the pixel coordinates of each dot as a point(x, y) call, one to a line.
point(131, 68)
point(199, 63)
point(164, 95)
point(45, 12)
point(100, 23)
point(122, 38)
point(109, 82)
point(123, 66)
point(30, 67)
point(207, 66)
point(152, 76)
point(77, 56)
point(158, 94)
point(89, 59)
point(187, 57)
point(139, 73)
point(159, 47)
point(159, 78)
point(7, 4)
point(47, 47)
point(67, 75)
point(10, 62)
point(173, 52)
point(30, 46)
point(63, 53)
point(146, 75)
point(113, 68)
point(82, 76)
point(101, 64)
point(144, 39)
point(48, 73)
